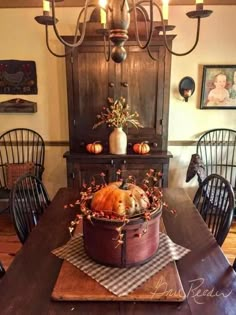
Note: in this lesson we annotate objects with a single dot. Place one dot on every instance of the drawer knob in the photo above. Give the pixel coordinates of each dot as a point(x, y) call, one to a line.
point(124, 161)
point(112, 162)
point(124, 84)
point(111, 84)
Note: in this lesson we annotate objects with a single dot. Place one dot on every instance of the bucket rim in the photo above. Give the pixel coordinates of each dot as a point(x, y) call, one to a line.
point(132, 220)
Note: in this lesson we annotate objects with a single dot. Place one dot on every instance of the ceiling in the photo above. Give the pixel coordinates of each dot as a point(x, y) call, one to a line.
point(75, 3)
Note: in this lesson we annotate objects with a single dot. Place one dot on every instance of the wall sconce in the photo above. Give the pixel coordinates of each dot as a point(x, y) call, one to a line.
point(186, 87)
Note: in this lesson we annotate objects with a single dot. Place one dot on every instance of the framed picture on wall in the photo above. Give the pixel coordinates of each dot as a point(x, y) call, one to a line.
point(218, 87)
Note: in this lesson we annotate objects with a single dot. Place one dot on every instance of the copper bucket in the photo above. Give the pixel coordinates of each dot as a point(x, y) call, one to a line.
point(140, 240)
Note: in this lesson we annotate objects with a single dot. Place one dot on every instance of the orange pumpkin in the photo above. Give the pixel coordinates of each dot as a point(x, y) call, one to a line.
point(120, 199)
point(141, 148)
point(94, 147)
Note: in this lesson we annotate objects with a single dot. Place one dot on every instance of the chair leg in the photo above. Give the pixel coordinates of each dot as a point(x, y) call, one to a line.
point(234, 265)
point(2, 270)
point(4, 206)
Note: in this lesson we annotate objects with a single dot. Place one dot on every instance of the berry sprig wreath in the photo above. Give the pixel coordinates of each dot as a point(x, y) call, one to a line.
point(151, 186)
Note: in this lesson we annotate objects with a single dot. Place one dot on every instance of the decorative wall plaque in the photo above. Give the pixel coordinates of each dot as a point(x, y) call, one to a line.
point(18, 77)
point(18, 105)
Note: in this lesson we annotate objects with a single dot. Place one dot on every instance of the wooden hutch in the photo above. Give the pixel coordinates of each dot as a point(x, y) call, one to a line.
point(143, 82)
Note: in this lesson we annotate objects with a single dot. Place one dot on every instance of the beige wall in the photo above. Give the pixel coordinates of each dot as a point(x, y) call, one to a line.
point(22, 38)
point(186, 120)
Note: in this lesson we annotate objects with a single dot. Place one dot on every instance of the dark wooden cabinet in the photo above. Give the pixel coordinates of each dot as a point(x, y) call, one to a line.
point(143, 82)
point(81, 168)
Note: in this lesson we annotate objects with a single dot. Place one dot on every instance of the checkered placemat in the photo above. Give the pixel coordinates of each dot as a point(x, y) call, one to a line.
point(120, 281)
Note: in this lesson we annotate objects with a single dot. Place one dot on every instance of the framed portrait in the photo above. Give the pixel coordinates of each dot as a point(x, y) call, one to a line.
point(218, 87)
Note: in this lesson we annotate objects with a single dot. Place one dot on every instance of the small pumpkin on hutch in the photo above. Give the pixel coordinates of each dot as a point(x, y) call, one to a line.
point(141, 148)
point(94, 147)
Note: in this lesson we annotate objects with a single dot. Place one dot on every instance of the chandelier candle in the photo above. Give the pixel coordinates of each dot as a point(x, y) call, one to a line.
point(46, 7)
point(103, 4)
point(199, 5)
point(165, 9)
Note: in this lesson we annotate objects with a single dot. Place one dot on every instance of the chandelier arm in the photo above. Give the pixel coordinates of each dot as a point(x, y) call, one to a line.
point(148, 47)
point(79, 42)
point(140, 8)
point(145, 19)
point(164, 31)
point(51, 51)
point(136, 24)
point(78, 21)
point(107, 55)
point(151, 55)
point(191, 49)
point(77, 27)
point(165, 38)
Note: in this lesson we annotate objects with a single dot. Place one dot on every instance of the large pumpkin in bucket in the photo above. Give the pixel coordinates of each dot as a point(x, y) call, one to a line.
point(132, 236)
point(120, 198)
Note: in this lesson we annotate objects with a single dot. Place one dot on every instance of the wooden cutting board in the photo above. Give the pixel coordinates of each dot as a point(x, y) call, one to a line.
point(74, 285)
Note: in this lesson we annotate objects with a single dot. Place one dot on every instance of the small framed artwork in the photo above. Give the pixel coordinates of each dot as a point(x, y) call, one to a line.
point(218, 87)
point(18, 77)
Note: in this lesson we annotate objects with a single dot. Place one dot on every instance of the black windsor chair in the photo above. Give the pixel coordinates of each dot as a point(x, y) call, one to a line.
point(217, 149)
point(21, 151)
point(214, 200)
point(28, 200)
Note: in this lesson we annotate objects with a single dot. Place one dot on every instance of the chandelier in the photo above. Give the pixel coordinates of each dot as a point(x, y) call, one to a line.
point(115, 23)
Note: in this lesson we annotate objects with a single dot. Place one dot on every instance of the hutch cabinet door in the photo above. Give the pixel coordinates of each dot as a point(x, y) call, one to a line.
point(143, 84)
point(83, 172)
point(82, 168)
point(88, 89)
point(138, 168)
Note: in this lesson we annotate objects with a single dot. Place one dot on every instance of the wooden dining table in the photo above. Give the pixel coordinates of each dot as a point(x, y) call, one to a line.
point(208, 279)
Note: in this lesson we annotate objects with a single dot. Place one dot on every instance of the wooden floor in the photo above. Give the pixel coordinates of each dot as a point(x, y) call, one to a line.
point(229, 246)
point(10, 245)
point(9, 242)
